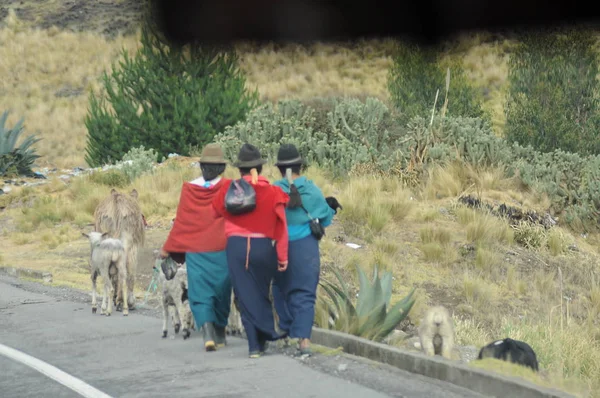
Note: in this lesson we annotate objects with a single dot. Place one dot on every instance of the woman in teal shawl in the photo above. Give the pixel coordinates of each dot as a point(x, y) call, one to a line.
point(295, 290)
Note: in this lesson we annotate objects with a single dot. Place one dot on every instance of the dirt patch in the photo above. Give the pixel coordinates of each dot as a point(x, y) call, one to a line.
point(104, 17)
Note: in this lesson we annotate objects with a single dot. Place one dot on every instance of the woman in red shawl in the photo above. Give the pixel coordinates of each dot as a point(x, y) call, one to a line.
point(199, 232)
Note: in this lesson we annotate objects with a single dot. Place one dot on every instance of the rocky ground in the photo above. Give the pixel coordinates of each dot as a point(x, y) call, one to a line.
point(109, 18)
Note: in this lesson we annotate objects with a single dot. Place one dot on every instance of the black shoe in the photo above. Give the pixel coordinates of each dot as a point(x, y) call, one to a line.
point(263, 345)
point(220, 336)
point(208, 333)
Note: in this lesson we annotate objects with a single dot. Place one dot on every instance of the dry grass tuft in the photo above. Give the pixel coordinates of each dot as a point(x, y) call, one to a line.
point(485, 229)
point(370, 205)
point(479, 293)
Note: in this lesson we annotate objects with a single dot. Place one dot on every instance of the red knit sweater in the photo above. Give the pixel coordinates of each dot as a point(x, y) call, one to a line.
point(197, 227)
point(268, 218)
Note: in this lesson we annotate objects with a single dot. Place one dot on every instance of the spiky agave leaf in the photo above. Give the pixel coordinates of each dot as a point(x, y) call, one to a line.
point(373, 322)
point(345, 299)
point(19, 158)
point(324, 312)
point(9, 137)
point(386, 287)
point(343, 283)
point(366, 293)
point(374, 307)
point(350, 314)
point(395, 315)
point(335, 298)
point(27, 143)
point(345, 319)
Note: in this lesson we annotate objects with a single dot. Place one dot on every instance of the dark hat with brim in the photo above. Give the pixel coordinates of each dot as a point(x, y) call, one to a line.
point(249, 156)
point(288, 155)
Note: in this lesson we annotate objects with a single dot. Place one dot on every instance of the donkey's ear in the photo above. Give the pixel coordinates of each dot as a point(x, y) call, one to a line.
point(104, 235)
point(113, 191)
point(84, 234)
point(134, 193)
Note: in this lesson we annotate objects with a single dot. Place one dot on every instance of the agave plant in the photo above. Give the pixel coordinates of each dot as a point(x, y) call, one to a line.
point(372, 317)
point(15, 159)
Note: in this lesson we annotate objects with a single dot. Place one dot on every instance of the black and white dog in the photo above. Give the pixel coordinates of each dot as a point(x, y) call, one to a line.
point(511, 350)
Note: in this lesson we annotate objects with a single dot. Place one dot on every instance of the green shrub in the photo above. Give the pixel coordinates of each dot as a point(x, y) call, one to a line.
point(15, 160)
point(553, 92)
point(571, 181)
point(270, 125)
point(341, 134)
point(168, 98)
point(418, 73)
point(138, 161)
point(351, 133)
point(458, 138)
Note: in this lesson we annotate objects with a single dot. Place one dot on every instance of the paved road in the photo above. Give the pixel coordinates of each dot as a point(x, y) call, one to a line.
point(125, 357)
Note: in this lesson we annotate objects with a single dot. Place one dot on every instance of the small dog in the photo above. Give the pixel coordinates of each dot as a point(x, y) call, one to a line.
point(436, 332)
point(511, 350)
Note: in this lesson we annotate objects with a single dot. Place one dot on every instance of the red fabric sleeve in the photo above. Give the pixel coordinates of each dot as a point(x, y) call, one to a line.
point(281, 233)
point(219, 199)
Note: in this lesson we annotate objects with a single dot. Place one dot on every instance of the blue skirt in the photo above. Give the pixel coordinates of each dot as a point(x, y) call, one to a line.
point(295, 290)
point(209, 287)
point(252, 285)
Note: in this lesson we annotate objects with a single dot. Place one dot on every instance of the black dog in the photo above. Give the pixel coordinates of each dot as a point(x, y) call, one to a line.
point(333, 203)
point(514, 351)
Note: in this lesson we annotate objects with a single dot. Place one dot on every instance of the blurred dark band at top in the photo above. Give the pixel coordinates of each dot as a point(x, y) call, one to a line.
point(227, 21)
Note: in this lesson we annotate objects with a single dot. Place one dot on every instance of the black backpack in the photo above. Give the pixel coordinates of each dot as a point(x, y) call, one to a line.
point(240, 197)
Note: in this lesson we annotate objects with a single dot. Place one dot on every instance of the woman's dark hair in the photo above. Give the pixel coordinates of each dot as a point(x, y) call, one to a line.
point(296, 169)
point(295, 199)
point(246, 170)
point(210, 171)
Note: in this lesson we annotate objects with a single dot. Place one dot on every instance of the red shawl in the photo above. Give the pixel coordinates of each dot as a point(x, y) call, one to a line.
point(197, 227)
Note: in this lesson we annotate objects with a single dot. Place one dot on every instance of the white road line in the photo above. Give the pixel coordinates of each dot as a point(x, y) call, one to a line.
point(54, 373)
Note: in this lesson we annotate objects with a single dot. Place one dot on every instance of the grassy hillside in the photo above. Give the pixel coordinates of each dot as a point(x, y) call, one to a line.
point(48, 72)
point(522, 281)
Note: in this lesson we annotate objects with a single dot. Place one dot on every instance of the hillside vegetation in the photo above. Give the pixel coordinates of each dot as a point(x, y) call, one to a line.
point(400, 185)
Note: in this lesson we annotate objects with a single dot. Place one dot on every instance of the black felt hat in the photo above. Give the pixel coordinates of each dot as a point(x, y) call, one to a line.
point(249, 156)
point(288, 155)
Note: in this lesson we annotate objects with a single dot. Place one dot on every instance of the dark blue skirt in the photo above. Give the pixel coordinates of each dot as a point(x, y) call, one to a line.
point(251, 286)
point(295, 290)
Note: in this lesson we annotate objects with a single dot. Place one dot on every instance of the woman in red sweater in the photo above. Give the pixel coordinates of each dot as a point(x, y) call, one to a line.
point(257, 248)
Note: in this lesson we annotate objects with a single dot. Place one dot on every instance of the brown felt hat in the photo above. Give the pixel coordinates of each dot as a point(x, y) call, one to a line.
point(212, 154)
